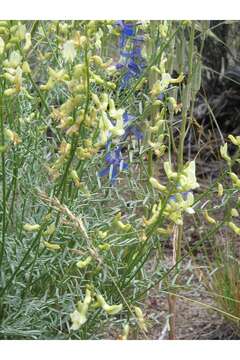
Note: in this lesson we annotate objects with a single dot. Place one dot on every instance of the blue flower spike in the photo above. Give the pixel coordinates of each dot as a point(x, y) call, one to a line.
point(115, 164)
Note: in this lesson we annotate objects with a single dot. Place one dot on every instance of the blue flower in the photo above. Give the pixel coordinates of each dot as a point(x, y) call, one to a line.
point(131, 129)
point(161, 97)
point(133, 62)
point(127, 30)
point(115, 164)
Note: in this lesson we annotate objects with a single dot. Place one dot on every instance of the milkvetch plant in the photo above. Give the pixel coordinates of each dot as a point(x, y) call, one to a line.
point(85, 108)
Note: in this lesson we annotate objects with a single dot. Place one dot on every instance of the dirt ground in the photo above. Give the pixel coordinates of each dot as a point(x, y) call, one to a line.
point(194, 319)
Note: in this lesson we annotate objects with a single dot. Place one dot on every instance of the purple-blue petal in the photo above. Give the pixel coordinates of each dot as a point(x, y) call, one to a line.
point(103, 172)
point(137, 133)
point(127, 117)
point(119, 66)
point(115, 172)
point(109, 159)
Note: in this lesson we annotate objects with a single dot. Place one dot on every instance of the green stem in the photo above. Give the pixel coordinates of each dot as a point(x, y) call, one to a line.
point(177, 249)
point(3, 182)
point(186, 99)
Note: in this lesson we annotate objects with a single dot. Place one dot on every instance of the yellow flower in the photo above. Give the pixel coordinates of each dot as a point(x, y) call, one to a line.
point(2, 46)
point(12, 136)
point(208, 218)
point(104, 247)
point(110, 309)
point(156, 185)
point(158, 147)
point(235, 179)
point(26, 68)
point(102, 234)
point(234, 227)
point(177, 206)
point(187, 178)
point(69, 52)
point(161, 85)
point(234, 140)
point(164, 232)
point(20, 31)
point(224, 153)
point(10, 92)
point(79, 40)
point(168, 170)
point(118, 224)
point(77, 319)
point(28, 42)
point(75, 177)
point(14, 60)
point(178, 79)
point(125, 332)
point(31, 228)
point(155, 214)
point(140, 318)
point(18, 79)
point(50, 230)
point(234, 213)
point(50, 246)
point(83, 263)
point(79, 316)
point(220, 190)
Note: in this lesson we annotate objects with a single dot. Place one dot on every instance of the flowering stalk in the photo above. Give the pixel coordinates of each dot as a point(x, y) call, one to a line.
point(177, 238)
point(74, 144)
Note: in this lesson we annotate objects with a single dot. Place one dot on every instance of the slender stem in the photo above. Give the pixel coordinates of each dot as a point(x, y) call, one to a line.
point(179, 237)
point(186, 99)
point(3, 182)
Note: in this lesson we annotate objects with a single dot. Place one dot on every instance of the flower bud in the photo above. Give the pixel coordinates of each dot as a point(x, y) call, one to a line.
point(125, 332)
point(235, 179)
point(84, 263)
point(156, 185)
point(10, 92)
point(224, 154)
point(31, 228)
point(2, 46)
point(220, 190)
point(168, 170)
point(12, 136)
point(140, 318)
point(50, 230)
point(50, 246)
point(110, 309)
point(234, 140)
point(26, 68)
point(208, 218)
point(234, 227)
point(234, 213)
point(28, 42)
point(75, 178)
